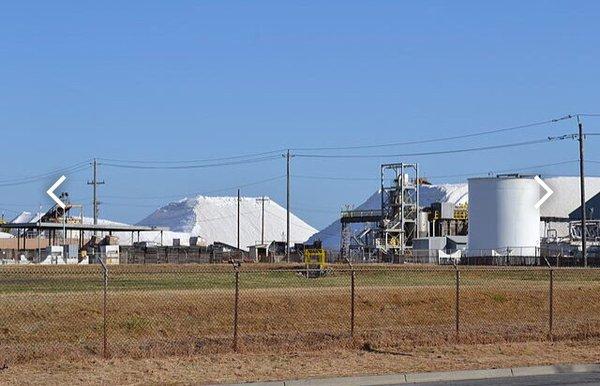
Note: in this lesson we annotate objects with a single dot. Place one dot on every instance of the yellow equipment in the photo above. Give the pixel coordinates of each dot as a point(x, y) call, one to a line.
point(461, 212)
point(315, 262)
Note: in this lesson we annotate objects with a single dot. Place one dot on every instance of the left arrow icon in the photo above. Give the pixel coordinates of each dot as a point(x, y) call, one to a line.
point(50, 192)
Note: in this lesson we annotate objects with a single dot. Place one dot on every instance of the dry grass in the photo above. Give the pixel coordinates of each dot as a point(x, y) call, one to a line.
point(229, 367)
point(176, 311)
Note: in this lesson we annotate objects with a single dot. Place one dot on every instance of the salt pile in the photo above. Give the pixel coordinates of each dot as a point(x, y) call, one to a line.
point(211, 219)
point(215, 219)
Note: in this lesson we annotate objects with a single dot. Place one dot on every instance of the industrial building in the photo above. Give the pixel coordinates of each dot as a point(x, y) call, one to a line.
point(392, 228)
point(500, 224)
point(495, 221)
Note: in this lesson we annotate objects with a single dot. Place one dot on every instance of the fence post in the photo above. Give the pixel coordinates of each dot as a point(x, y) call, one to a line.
point(352, 296)
point(551, 305)
point(457, 305)
point(104, 301)
point(236, 267)
point(352, 304)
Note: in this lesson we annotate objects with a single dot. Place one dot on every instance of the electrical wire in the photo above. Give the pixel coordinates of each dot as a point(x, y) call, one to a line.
point(245, 161)
point(110, 203)
point(335, 178)
point(250, 155)
point(198, 193)
point(383, 145)
point(32, 179)
point(302, 209)
point(505, 170)
point(284, 219)
point(435, 176)
point(66, 169)
point(442, 139)
point(428, 153)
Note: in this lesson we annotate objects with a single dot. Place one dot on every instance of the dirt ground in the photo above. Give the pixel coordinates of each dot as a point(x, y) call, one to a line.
point(165, 327)
point(144, 324)
point(223, 368)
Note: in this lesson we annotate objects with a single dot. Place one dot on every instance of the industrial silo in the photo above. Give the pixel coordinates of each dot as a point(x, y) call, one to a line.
point(503, 219)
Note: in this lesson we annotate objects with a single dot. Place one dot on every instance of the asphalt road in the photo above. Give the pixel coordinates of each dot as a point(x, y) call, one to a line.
point(579, 379)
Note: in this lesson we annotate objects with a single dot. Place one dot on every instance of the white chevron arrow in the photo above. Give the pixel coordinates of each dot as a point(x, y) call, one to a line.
point(546, 188)
point(50, 192)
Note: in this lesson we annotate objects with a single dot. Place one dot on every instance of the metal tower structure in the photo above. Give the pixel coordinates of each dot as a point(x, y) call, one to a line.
point(399, 207)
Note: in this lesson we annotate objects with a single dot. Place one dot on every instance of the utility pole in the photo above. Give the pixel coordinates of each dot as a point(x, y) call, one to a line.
point(287, 246)
point(238, 220)
point(95, 183)
point(582, 191)
point(262, 200)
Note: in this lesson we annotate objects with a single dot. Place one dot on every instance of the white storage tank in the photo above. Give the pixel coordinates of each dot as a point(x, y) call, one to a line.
point(503, 219)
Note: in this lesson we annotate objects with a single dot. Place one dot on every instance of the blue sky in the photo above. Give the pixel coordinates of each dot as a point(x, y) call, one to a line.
point(150, 80)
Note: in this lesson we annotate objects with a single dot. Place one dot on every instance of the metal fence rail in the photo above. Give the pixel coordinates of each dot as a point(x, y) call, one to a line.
point(141, 310)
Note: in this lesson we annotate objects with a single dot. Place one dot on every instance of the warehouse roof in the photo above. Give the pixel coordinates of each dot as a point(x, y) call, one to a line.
point(82, 227)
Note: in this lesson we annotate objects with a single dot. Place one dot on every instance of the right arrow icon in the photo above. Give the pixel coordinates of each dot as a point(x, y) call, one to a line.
point(546, 188)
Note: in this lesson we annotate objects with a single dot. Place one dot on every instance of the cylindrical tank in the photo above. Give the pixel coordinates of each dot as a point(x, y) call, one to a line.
point(503, 218)
point(423, 224)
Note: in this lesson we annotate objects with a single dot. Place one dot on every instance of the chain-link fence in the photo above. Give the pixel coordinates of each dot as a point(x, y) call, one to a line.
point(157, 310)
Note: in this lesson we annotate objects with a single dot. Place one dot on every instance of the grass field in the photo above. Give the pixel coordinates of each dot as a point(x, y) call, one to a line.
point(179, 277)
point(155, 311)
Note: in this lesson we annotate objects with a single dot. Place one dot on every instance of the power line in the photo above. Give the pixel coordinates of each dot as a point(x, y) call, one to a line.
point(110, 203)
point(302, 209)
point(245, 161)
point(506, 170)
point(49, 173)
point(29, 179)
point(263, 156)
point(383, 145)
point(250, 155)
point(332, 178)
point(74, 171)
point(336, 178)
point(454, 151)
point(198, 193)
point(197, 221)
point(441, 139)
point(297, 224)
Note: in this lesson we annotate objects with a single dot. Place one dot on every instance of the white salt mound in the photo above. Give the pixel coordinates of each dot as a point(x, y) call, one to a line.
point(215, 219)
point(211, 219)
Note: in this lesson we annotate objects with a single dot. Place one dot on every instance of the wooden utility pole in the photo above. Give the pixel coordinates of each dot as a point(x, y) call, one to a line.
point(582, 191)
point(287, 247)
point(238, 220)
point(262, 200)
point(95, 183)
